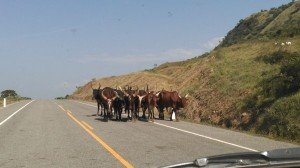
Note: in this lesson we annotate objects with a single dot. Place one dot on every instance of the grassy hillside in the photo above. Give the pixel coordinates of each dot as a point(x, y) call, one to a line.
point(275, 23)
point(245, 83)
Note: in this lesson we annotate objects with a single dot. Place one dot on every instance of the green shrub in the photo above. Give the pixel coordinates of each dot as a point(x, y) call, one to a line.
point(275, 106)
point(286, 112)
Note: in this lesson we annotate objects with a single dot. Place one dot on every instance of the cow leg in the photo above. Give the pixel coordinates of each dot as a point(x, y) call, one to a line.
point(176, 115)
point(104, 114)
point(102, 108)
point(98, 109)
point(116, 110)
point(127, 113)
point(152, 114)
point(120, 114)
point(134, 116)
point(126, 110)
point(149, 114)
point(144, 113)
point(161, 113)
point(173, 110)
point(116, 113)
point(133, 113)
point(137, 113)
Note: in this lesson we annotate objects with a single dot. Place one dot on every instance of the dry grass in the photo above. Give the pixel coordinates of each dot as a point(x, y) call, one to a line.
point(218, 83)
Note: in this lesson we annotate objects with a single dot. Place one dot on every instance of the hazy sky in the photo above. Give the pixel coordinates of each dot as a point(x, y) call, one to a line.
point(47, 48)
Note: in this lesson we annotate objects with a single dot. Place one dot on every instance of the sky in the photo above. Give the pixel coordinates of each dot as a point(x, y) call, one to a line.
point(47, 48)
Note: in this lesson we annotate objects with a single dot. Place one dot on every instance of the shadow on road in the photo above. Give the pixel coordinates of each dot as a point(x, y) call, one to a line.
point(101, 119)
point(125, 119)
point(91, 115)
point(112, 119)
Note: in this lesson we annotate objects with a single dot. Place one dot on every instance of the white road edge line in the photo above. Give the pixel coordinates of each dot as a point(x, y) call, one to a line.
point(207, 137)
point(15, 113)
point(84, 103)
point(203, 136)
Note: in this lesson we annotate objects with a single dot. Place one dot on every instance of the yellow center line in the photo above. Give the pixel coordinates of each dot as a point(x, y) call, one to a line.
point(99, 140)
point(61, 107)
point(87, 125)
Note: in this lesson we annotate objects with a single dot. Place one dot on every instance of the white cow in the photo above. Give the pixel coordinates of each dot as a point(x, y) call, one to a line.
point(288, 43)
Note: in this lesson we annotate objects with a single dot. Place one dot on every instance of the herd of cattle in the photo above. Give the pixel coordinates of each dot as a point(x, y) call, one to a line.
point(112, 102)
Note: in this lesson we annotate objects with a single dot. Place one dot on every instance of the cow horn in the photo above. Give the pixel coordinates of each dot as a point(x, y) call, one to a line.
point(120, 88)
point(186, 96)
point(157, 93)
point(99, 86)
point(147, 88)
point(92, 85)
point(117, 95)
point(105, 98)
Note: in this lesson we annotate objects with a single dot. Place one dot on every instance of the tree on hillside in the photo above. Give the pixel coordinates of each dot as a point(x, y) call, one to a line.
point(8, 93)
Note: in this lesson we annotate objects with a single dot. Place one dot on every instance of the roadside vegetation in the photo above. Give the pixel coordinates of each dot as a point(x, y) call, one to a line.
point(11, 97)
point(249, 82)
point(62, 97)
point(275, 106)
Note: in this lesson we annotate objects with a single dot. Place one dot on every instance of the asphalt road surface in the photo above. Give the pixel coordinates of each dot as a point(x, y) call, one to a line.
point(45, 133)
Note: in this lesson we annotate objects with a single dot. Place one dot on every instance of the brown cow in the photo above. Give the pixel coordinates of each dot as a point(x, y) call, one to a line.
point(118, 104)
point(140, 94)
point(133, 99)
point(149, 102)
point(168, 99)
point(98, 98)
point(108, 95)
point(129, 101)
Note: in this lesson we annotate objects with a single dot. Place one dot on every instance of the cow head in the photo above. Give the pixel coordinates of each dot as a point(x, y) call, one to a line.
point(140, 94)
point(153, 99)
point(96, 91)
point(109, 102)
point(184, 101)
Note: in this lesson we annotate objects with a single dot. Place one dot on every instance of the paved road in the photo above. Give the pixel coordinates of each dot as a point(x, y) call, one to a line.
point(67, 134)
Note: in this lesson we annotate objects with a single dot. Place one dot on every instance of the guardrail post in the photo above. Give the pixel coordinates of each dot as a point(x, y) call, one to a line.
point(4, 102)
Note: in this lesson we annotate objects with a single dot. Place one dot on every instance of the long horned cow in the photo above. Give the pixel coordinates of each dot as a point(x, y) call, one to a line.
point(109, 95)
point(98, 98)
point(140, 94)
point(168, 99)
point(129, 101)
point(119, 103)
point(149, 102)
